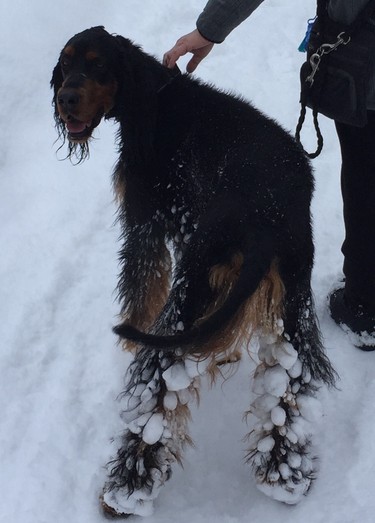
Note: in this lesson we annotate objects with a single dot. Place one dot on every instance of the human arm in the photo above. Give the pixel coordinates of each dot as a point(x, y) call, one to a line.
point(217, 20)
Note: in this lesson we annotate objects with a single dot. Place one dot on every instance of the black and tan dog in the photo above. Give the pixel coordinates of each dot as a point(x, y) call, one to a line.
point(214, 203)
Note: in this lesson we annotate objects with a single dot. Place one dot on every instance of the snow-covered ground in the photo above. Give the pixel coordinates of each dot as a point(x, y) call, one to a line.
point(60, 368)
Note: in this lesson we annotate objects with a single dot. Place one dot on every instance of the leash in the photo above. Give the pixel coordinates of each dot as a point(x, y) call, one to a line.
point(318, 132)
point(173, 74)
point(343, 38)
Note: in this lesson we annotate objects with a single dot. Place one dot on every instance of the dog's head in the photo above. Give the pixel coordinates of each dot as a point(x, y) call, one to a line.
point(98, 76)
point(86, 82)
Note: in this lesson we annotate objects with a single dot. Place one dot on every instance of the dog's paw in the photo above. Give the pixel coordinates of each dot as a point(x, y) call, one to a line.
point(110, 512)
point(119, 504)
point(289, 490)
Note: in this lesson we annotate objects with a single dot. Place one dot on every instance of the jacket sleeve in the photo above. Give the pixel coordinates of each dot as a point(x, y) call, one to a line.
point(220, 17)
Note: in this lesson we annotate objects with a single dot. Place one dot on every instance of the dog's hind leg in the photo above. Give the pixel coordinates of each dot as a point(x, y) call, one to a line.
point(208, 296)
point(292, 367)
point(157, 392)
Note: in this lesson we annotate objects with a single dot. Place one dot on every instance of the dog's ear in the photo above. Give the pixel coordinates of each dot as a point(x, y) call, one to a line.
point(57, 78)
point(136, 100)
point(140, 78)
point(145, 71)
point(56, 82)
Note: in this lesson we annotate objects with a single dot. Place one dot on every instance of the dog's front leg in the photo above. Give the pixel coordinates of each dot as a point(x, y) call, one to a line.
point(157, 391)
point(145, 272)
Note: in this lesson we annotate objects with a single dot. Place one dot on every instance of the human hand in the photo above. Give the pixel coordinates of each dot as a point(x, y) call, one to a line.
point(193, 43)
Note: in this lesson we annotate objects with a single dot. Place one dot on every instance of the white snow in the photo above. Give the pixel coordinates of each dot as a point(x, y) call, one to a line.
point(289, 498)
point(153, 429)
point(170, 400)
point(310, 408)
point(264, 404)
point(176, 377)
point(61, 369)
point(123, 503)
point(266, 444)
point(278, 416)
point(286, 355)
point(296, 370)
point(276, 381)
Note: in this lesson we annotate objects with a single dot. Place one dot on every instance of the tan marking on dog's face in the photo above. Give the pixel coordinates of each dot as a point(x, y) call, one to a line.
point(91, 55)
point(94, 98)
point(95, 101)
point(97, 97)
point(69, 50)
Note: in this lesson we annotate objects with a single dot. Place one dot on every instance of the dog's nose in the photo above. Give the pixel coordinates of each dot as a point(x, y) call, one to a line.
point(68, 99)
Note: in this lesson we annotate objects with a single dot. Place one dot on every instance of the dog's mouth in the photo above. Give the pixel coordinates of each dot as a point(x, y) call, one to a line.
point(80, 131)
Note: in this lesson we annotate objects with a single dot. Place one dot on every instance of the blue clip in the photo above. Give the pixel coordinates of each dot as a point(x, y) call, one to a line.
point(303, 45)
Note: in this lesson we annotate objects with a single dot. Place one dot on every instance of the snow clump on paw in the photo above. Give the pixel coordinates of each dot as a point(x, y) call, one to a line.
point(176, 377)
point(285, 354)
point(153, 429)
point(118, 502)
point(289, 492)
point(276, 381)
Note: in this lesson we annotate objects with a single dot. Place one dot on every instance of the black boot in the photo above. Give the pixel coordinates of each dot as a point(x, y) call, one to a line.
point(353, 319)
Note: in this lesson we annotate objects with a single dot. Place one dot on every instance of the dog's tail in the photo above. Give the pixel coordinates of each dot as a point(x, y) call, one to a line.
point(256, 264)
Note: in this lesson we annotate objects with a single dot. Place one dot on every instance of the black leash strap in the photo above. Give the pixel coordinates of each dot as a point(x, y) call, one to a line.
point(173, 73)
point(319, 135)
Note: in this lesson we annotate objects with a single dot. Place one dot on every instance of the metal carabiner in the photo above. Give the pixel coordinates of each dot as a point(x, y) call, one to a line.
point(340, 37)
point(316, 57)
point(328, 48)
point(314, 62)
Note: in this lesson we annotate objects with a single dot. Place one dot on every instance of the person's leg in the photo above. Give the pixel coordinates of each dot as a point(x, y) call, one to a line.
point(358, 192)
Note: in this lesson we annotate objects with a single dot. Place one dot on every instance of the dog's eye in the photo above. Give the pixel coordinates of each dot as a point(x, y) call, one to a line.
point(65, 62)
point(99, 64)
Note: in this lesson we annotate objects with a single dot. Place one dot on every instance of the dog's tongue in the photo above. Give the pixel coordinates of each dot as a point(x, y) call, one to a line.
point(76, 127)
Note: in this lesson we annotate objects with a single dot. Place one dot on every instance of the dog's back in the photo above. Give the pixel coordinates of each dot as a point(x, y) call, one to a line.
point(233, 180)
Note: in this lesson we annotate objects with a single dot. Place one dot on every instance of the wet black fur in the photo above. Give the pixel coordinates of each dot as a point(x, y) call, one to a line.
point(123, 471)
point(210, 176)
